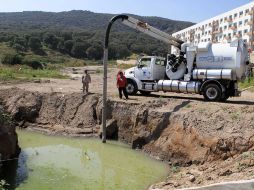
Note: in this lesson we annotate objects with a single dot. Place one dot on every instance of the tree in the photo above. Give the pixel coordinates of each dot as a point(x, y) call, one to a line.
point(122, 52)
point(60, 46)
point(112, 50)
point(12, 59)
point(19, 48)
point(35, 44)
point(50, 40)
point(137, 48)
point(79, 49)
point(19, 44)
point(68, 46)
point(67, 36)
point(95, 52)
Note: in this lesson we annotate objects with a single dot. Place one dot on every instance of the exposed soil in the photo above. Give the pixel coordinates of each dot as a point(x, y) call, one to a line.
point(9, 148)
point(203, 142)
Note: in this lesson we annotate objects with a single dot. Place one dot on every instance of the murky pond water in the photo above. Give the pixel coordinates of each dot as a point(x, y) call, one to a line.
point(60, 163)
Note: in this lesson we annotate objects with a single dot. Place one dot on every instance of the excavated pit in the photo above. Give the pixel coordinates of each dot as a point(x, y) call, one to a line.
point(182, 132)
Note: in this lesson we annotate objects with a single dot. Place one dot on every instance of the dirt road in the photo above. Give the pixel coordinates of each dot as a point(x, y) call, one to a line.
point(74, 85)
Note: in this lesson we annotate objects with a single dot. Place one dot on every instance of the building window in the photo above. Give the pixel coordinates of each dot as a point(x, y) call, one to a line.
point(246, 21)
point(246, 11)
point(241, 13)
point(234, 33)
point(235, 15)
point(240, 23)
point(230, 25)
point(225, 19)
point(225, 27)
point(245, 31)
point(208, 39)
point(221, 20)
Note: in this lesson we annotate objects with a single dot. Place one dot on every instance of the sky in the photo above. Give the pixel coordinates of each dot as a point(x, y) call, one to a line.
point(187, 10)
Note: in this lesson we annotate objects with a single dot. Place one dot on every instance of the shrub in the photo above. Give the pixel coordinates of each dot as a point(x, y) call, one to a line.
point(34, 63)
point(12, 59)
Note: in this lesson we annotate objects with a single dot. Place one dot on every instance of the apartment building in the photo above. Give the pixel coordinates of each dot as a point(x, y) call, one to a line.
point(235, 24)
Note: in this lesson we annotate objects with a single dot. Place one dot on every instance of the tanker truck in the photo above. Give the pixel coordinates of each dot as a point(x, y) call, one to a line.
point(211, 70)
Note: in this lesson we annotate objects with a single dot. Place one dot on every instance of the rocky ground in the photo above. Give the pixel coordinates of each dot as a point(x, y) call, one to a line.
point(203, 142)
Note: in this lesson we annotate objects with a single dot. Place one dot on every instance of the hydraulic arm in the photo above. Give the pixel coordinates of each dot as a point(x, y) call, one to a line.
point(151, 31)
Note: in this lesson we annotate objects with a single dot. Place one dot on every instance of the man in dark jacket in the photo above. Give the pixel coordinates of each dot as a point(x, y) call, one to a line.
point(121, 85)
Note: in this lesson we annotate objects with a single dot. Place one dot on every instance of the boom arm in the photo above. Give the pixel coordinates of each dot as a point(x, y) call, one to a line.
point(151, 31)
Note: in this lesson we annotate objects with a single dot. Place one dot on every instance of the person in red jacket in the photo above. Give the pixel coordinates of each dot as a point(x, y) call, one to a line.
point(121, 85)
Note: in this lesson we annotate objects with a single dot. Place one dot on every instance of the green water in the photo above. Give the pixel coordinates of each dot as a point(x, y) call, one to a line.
point(60, 163)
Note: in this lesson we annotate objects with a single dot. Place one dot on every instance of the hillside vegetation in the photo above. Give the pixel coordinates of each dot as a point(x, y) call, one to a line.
point(79, 34)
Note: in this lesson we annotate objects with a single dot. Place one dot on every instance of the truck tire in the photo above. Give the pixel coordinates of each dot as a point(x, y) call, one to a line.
point(131, 87)
point(212, 92)
point(145, 93)
point(224, 97)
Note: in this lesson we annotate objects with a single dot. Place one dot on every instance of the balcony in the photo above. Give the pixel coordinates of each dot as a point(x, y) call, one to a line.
point(238, 35)
point(250, 23)
point(227, 38)
point(249, 33)
point(250, 13)
point(217, 31)
point(233, 28)
point(215, 23)
point(229, 20)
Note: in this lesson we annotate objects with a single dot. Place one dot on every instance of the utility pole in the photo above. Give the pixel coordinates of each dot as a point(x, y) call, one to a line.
point(105, 71)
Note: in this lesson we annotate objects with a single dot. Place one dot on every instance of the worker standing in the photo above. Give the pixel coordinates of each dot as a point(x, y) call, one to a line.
point(121, 85)
point(86, 79)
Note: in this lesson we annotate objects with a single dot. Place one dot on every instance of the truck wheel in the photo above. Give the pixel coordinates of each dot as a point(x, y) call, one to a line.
point(224, 97)
point(145, 93)
point(131, 88)
point(212, 92)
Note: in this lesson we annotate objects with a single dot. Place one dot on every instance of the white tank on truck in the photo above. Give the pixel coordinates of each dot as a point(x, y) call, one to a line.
point(230, 58)
point(211, 70)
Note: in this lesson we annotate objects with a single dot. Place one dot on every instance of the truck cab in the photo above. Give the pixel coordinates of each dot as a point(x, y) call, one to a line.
point(144, 76)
